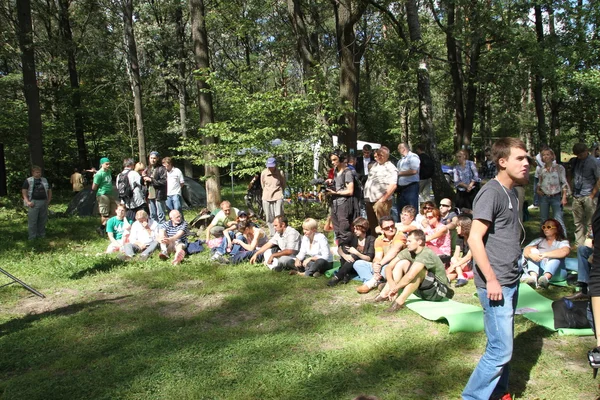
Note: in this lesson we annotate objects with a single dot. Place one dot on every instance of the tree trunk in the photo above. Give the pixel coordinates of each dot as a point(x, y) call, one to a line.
point(200, 39)
point(67, 36)
point(441, 188)
point(454, 59)
point(348, 13)
point(555, 101)
point(30, 87)
point(181, 85)
point(134, 74)
point(538, 87)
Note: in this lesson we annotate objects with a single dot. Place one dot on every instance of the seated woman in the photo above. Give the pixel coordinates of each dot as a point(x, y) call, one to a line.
point(143, 237)
point(544, 258)
point(361, 247)
point(421, 219)
point(314, 257)
point(407, 222)
point(461, 262)
point(437, 235)
point(244, 247)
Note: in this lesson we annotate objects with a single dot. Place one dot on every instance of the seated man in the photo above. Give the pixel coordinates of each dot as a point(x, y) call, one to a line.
point(448, 215)
point(417, 269)
point(223, 219)
point(116, 230)
point(280, 250)
point(387, 246)
point(173, 237)
point(143, 237)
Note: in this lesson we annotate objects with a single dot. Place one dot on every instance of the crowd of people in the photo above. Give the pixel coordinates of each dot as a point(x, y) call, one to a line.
point(423, 250)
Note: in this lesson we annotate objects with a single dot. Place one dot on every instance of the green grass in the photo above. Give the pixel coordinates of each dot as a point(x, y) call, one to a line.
point(114, 330)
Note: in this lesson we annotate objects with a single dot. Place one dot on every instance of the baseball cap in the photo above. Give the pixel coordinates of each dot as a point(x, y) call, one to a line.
point(271, 162)
point(242, 213)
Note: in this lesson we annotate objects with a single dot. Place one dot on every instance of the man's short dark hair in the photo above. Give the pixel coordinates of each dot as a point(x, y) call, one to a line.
point(421, 147)
point(503, 146)
point(385, 219)
point(282, 219)
point(367, 147)
point(418, 234)
point(579, 148)
point(342, 156)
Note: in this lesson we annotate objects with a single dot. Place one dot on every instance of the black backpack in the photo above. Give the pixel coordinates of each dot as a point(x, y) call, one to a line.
point(124, 187)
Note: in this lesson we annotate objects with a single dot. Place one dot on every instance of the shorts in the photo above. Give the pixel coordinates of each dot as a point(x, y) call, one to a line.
point(106, 205)
point(432, 289)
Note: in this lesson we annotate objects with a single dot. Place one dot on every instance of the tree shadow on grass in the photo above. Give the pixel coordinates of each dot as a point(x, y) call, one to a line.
point(103, 265)
point(16, 325)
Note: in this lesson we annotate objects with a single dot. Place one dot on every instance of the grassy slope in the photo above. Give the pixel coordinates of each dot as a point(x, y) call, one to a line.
point(113, 330)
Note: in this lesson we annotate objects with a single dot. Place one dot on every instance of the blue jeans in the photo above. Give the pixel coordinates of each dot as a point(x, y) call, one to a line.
point(364, 269)
point(174, 202)
point(547, 202)
point(407, 195)
point(554, 266)
point(157, 210)
point(583, 265)
point(490, 377)
point(222, 249)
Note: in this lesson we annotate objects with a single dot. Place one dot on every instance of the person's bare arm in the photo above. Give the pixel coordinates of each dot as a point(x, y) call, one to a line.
point(479, 229)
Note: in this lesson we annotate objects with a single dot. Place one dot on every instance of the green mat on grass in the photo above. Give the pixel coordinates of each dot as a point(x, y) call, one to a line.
point(530, 299)
point(461, 317)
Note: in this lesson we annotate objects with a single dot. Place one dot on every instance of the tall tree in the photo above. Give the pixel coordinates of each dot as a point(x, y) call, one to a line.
point(441, 188)
point(539, 78)
point(350, 52)
point(30, 86)
point(133, 67)
point(70, 48)
point(205, 104)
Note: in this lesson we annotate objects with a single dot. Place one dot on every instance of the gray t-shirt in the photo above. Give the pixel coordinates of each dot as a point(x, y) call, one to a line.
point(499, 206)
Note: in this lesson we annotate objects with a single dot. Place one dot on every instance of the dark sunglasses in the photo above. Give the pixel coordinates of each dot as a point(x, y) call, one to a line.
point(388, 228)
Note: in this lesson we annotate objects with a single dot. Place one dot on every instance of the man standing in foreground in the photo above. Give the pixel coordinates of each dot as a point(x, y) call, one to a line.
point(494, 243)
point(37, 194)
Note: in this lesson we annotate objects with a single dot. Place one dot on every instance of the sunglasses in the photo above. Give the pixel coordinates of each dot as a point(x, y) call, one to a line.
point(548, 227)
point(388, 228)
point(445, 205)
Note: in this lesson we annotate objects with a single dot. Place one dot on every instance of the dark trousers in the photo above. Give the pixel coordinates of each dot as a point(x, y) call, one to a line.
point(341, 214)
point(346, 270)
point(407, 196)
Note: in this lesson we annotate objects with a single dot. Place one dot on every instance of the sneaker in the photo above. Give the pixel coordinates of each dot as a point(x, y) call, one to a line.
point(144, 257)
point(543, 282)
point(333, 281)
point(163, 255)
point(461, 282)
point(533, 207)
point(222, 260)
point(531, 281)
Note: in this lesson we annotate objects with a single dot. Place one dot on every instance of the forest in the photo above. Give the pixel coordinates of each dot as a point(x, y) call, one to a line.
point(212, 82)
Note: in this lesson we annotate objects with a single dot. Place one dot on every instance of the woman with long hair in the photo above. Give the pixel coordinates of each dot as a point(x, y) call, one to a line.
point(437, 235)
point(544, 258)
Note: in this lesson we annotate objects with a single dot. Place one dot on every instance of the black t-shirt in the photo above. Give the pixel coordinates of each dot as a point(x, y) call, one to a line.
point(39, 193)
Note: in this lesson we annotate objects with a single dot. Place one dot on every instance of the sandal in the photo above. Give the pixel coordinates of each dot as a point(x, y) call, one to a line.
point(594, 360)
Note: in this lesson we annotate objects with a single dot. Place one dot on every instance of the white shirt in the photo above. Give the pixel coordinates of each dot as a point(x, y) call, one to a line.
point(381, 176)
point(318, 248)
point(174, 181)
point(142, 235)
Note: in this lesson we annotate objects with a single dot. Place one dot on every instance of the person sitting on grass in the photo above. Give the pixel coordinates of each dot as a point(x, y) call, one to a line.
point(223, 219)
point(173, 237)
point(417, 269)
point(280, 250)
point(229, 233)
point(437, 236)
point(361, 247)
point(142, 239)
point(314, 257)
point(116, 230)
point(544, 257)
point(387, 246)
point(407, 220)
point(461, 263)
point(252, 238)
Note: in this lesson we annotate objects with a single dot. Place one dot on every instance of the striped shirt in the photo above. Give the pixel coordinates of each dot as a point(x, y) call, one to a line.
point(171, 230)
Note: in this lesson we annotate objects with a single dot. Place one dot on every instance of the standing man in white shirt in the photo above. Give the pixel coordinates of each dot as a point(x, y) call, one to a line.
point(174, 184)
point(380, 187)
point(408, 178)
